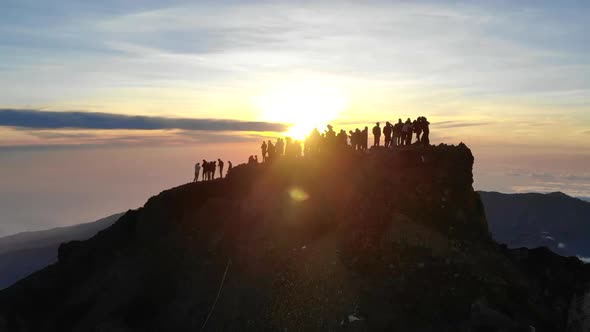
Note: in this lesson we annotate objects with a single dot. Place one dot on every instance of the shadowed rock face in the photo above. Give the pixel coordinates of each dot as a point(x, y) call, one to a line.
point(389, 240)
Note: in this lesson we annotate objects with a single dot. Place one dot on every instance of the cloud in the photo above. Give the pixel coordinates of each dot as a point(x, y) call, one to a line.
point(459, 124)
point(57, 139)
point(543, 176)
point(577, 177)
point(513, 173)
point(86, 120)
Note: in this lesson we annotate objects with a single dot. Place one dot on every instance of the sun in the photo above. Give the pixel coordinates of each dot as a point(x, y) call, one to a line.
point(302, 106)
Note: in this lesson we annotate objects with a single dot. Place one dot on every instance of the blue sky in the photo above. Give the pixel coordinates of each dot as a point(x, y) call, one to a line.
point(511, 79)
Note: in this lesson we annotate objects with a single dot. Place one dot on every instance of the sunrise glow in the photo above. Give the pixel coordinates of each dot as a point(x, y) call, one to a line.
point(304, 106)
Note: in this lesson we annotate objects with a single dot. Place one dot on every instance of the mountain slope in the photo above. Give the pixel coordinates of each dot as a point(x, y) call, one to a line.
point(24, 253)
point(555, 220)
point(389, 240)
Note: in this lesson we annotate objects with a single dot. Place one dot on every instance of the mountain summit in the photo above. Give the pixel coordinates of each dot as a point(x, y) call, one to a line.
point(389, 240)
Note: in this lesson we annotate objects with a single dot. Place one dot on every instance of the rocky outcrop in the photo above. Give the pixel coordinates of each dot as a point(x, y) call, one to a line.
point(387, 240)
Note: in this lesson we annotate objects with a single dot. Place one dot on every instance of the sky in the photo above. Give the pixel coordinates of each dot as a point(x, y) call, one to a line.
point(106, 103)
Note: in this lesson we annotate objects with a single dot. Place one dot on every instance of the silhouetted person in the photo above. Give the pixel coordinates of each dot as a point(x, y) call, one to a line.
point(407, 132)
point(288, 147)
point(279, 147)
point(342, 138)
point(263, 149)
point(330, 137)
point(418, 130)
point(205, 168)
point(365, 138)
point(220, 164)
point(213, 168)
point(229, 166)
point(256, 159)
point(387, 131)
point(398, 132)
point(426, 131)
point(270, 150)
point(376, 134)
point(197, 171)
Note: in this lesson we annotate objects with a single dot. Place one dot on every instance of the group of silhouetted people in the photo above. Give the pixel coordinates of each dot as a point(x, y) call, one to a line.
point(209, 169)
point(282, 148)
point(399, 134)
point(402, 132)
point(328, 140)
point(359, 139)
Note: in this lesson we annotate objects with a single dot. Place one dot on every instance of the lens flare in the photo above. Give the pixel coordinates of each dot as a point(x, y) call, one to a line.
point(298, 194)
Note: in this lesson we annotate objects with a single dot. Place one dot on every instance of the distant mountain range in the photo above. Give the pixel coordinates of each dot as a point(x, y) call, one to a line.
point(554, 220)
point(24, 253)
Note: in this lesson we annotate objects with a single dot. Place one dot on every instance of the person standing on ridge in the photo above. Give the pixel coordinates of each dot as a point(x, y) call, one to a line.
point(365, 140)
point(417, 129)
point(229, 166)
point(387, 131)
point(197, 171)
point(263, 149)
point(376, 134)
point(397, 132)
point(220, 164)
point(425, 131)
point(270, 151)
point(212, 169)
point(342, 138)
point(204, 167)
point(407, 132)
point(279, 147)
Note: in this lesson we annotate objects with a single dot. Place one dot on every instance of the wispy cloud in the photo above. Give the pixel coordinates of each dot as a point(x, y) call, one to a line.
point(58, 139)
point(459, 124)
point(89, 120)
